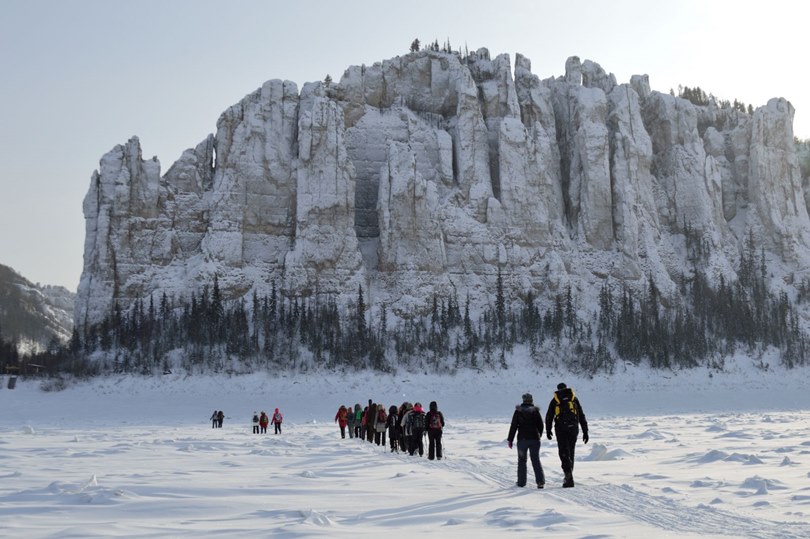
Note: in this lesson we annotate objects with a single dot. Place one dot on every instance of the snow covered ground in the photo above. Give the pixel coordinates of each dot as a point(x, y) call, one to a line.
point(671, 455)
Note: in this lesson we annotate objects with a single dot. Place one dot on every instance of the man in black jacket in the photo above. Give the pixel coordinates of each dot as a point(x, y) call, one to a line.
point(528, 424)
point(565, 412)
point(434, 422)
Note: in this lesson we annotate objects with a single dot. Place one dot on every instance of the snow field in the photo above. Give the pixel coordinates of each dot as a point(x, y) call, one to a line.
point(683, 455)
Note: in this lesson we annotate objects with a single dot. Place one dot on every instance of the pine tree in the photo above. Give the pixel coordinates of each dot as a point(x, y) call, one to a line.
point(605, 325)
point(570, 314)
point(361, 316)
point(500, 304)
point(383, 333)
point(216, 313)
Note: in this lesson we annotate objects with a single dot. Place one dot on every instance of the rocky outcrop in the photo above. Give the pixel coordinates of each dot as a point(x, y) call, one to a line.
point(431, 172)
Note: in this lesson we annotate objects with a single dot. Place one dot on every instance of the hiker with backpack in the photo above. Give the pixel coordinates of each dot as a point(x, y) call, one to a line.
point(220, 418)
point(371, 420)
point(393, 427)
point(255, 422)
point(350, 420)
point(341, 420)
point(380, 425)
point(404, 431)
point(358, 420)
point(415, 424)
point(264, 420)
point(435, 423)
point(528, 425)
point(363, 422)
point(214, 420)
point(277, 420)
point(566, 413)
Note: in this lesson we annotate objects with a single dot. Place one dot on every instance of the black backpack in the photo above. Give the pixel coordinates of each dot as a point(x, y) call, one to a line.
point(417, 420)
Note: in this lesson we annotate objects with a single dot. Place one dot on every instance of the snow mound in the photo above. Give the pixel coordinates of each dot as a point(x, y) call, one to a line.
point(600, 452)
point(651, 434)
point(311, 516)
point(759, 483)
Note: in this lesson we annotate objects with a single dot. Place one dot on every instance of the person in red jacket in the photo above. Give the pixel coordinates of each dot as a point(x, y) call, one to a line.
point(264, 420)
point(341, 420)
point(277, 419)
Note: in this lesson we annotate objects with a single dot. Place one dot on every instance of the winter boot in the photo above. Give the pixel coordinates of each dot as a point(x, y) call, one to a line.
point(569, 480)
point(540, 485)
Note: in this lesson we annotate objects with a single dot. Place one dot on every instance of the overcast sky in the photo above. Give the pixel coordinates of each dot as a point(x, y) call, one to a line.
point(79, 77)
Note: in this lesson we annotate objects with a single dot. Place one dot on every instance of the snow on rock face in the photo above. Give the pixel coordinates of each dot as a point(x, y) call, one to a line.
point(325, 248)
point(775, 183)
point(427, 173)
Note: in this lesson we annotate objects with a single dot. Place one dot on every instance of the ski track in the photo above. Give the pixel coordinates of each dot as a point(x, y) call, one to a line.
point(676, 517)
point(625, 501)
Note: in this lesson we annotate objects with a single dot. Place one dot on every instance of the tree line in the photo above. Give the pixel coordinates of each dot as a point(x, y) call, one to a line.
point(286, 331)
point(9, 356)
point(697, 96)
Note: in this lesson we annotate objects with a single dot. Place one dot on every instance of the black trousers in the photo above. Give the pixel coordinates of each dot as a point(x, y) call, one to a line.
point(566, 445)
point(529, 450)
point(416, 443)
point(379, 438)
point(434, 443)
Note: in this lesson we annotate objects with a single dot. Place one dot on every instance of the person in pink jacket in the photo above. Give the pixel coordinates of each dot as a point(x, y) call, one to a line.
point(277, 419)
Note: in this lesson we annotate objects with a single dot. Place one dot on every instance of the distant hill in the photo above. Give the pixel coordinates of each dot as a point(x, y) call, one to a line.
point(32, 315)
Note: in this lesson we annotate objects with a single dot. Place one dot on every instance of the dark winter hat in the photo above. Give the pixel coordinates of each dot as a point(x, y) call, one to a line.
point(527, 398)
point(561, 386)
point(433, 406)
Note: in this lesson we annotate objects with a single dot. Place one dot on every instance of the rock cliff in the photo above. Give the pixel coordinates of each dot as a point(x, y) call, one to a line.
point(427, 173)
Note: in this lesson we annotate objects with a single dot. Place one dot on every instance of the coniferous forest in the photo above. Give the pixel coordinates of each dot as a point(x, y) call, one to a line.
point(284, 331)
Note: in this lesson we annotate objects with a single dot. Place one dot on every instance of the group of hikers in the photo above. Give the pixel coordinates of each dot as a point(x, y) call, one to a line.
point(217, 418)
point(406, 426)
point(260, 422)
point(565, 415)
